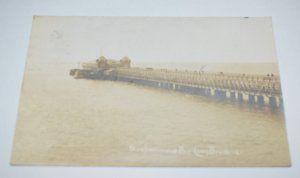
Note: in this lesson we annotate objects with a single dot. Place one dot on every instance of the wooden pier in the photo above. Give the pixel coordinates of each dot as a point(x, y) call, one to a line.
point(256, 90)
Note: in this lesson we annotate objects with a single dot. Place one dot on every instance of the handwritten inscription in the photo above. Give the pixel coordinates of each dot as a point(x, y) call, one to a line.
point(198, 151)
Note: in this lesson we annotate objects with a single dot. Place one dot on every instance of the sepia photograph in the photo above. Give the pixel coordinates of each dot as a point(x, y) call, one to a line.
point(151, 92)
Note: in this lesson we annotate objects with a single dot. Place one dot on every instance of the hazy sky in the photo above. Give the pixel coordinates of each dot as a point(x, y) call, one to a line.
point(152, 39)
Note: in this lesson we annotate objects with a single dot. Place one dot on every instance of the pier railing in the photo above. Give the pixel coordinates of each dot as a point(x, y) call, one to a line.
point(268, 85)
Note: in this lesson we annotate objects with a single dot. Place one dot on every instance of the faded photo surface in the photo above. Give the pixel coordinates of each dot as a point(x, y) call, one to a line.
point(151, 91)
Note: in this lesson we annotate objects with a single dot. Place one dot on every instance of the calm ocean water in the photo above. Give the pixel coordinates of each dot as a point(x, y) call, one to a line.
point(83, 122)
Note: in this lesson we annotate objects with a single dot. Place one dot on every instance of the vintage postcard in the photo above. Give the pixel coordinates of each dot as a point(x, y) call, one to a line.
point(151, 91)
